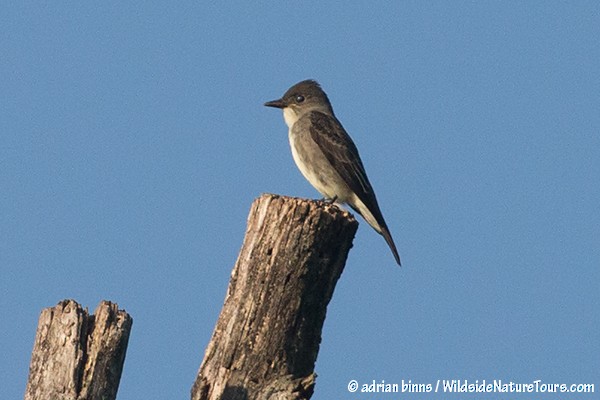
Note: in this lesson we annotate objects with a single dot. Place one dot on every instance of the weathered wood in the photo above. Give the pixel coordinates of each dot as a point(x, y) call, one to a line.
point(78, 356)
point(266, 340)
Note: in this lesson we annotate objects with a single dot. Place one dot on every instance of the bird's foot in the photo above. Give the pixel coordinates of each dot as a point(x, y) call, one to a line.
point(328, 200)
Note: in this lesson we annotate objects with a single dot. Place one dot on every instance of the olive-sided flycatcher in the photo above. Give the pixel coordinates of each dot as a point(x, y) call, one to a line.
point(327, 156)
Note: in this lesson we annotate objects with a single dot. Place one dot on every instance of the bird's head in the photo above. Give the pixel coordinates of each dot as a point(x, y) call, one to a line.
point(303, 97)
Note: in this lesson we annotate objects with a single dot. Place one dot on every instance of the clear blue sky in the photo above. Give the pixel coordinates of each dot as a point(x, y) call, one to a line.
point(134, 140)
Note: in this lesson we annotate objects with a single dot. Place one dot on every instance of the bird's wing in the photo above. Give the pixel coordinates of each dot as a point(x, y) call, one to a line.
point(337, 146)
point(331, 137)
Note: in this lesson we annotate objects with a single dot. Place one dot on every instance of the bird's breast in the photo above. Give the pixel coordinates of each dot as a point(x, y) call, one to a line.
point(314, 165)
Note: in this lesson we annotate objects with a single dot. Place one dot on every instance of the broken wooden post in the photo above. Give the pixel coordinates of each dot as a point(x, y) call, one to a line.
point(78, 356)
point(266, 340)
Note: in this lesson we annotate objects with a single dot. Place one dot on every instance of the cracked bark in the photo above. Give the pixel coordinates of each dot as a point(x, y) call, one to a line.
point(266, 340)
point(76, 355)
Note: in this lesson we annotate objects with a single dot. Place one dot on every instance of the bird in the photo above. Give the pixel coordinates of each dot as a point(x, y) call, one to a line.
point(327, 156)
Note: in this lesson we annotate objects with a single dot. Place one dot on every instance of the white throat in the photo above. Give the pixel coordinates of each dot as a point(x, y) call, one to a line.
point(289, 116)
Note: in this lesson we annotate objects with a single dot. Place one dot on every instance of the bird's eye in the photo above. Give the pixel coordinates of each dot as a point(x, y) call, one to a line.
point(299, 99)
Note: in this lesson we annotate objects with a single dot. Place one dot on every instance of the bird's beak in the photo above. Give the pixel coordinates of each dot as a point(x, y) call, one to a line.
point(276, 103)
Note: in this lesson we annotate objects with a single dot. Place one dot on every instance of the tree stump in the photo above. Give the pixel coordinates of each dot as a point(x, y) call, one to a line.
point(78, 356)
point(267, 337)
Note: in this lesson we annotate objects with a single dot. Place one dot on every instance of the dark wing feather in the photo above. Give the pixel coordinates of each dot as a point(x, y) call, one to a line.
point(329, 134)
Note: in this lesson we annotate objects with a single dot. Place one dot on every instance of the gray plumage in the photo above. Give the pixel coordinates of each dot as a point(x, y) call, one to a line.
point(327, 156)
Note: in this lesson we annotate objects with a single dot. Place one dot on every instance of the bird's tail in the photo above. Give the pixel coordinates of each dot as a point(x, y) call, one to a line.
point(375, 219)
point(385, 232)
